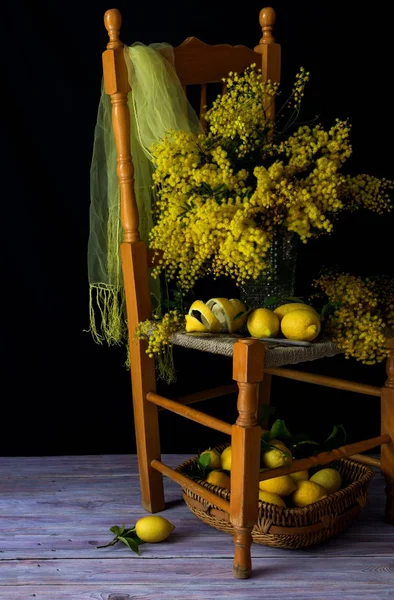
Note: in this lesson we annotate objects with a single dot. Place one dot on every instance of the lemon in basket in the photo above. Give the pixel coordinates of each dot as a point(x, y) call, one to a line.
point(308, 492)
point(225, 459)
point(218, 478)
point(271, 498)
point(328, 478)
point(282, 485)
point(300, 476)
point(214, 458)
point(153, 528)
point(278, 456)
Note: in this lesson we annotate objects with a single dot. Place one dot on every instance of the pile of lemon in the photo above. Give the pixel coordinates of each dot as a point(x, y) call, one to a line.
point(299, 488)
point(295, 320)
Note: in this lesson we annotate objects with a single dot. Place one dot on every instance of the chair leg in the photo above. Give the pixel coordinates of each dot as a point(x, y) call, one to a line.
point(245, 443)
point(146, 424)
point(143, 377)
point(387, 426)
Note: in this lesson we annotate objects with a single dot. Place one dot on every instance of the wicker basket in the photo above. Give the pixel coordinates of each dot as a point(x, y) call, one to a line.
point(291, 527)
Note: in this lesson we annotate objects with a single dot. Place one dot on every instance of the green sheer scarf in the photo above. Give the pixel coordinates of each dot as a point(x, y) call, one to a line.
point(157, 104)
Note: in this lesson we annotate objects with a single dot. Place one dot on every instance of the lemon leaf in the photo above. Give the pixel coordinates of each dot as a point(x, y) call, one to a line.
point(336, 438)
point(279, 431)
point(280, 299)
point(204, 460)
point(117, 530)
point(111, 543)
point(265, 445)
point(306, 448)
point(328, 309)
point(127, 536)
point(243, 313)
point(131, 543)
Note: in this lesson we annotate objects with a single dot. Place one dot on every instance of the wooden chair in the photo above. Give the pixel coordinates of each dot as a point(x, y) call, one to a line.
point(198, 63)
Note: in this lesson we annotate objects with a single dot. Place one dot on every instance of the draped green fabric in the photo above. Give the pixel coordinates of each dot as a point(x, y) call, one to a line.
point(157, 104)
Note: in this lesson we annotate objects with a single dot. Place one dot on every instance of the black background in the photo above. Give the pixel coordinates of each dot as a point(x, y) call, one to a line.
point(61, 393)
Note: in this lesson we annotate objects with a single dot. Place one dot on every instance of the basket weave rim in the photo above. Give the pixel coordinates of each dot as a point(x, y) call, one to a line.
point(278, 513)
point(291, 528)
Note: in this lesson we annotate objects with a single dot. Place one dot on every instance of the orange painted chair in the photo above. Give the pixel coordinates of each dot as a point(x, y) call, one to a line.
point(254, 363)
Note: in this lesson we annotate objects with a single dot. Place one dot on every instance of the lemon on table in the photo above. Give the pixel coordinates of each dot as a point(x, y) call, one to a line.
point(330, 479)
point(299, 476)
point(153, 528)
point(271, 498)
point(282, 310)
point(214, 456)
point(275, 457)
point(225, 459)
point(282, 485)
point(263, 322)
point(302, 325)
point(218, 478)
point(308, 492)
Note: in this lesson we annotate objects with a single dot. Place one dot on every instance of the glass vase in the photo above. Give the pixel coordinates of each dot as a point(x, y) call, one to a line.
point(279, 280)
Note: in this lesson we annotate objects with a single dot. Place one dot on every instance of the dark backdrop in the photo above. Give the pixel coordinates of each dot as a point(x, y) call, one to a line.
point(61, 393)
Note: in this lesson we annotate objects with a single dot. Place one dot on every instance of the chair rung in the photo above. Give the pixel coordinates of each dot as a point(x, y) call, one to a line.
point(326, 381)
point(326, 457)
point(191, 485)
point(366, 460)
point(209, 394)
point(189, 413)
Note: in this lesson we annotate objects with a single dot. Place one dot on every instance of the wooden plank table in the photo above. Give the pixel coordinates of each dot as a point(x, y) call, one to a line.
point(54, 511)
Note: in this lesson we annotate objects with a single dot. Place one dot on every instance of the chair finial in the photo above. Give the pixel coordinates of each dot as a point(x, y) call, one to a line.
point(113, 23)
point(267, 20)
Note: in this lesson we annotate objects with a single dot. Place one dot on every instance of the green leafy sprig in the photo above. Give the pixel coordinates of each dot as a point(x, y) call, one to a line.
point(126, 536)
point(302, 445)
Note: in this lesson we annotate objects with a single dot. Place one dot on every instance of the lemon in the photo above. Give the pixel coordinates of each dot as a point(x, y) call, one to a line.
point(193, 324)
point(263, 322)
point(303, 325)
point(215, 458)
point(238, 307)
point(299, 476)
point(218, 478)
point(225, 310)
point(328, 478)
point(225, 459)
point(271, 498)
point(281, 311)
point(282, 485)
point(275, 458)
point(153, 528)
point(206, 316)
point(308, 492)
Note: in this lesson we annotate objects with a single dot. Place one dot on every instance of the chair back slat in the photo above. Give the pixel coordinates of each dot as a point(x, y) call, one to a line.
point(197, 62)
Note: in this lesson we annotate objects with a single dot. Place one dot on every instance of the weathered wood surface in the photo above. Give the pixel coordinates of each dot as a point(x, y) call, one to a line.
point(54, 511)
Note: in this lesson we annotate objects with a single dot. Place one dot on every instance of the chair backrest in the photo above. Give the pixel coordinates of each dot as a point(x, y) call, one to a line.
point(196, 63)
